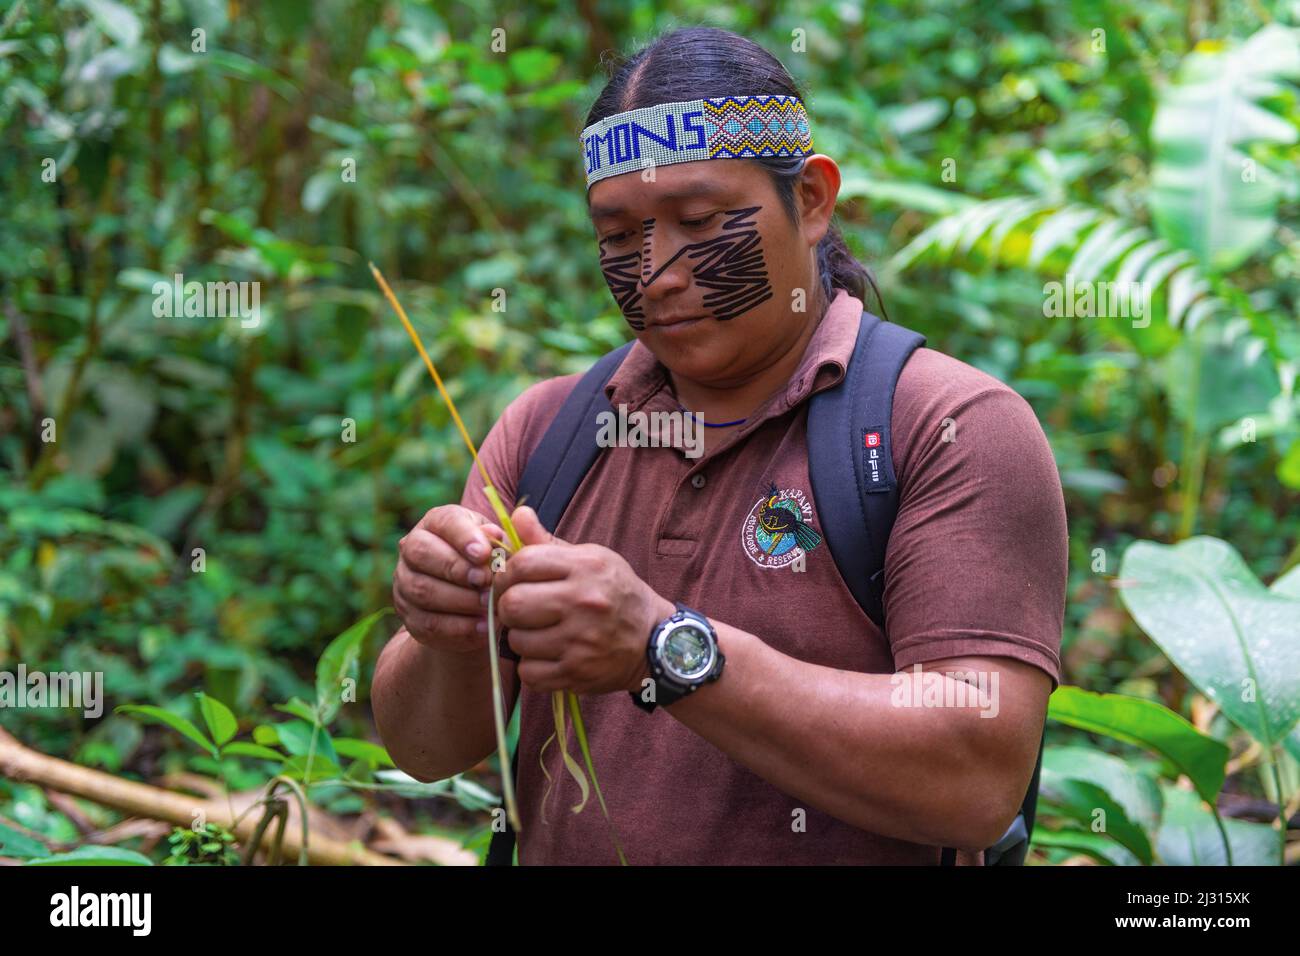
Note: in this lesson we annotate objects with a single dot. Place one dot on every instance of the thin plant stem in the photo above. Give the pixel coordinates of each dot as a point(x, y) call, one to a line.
point(302, 810)
point(311, 748)
point(499, 717)
point(1223, 833)
point(271, 808)
point(1281, 805)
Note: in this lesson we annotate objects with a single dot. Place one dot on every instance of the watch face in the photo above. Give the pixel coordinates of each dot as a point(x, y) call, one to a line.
point(687, 652)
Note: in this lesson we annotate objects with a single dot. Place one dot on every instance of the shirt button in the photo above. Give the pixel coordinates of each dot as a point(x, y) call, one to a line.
point(697, 479)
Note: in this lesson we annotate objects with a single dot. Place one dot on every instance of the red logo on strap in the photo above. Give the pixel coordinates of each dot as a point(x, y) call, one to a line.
point(871, 439)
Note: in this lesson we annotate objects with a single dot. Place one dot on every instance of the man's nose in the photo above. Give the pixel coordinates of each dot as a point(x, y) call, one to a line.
point(663, 272)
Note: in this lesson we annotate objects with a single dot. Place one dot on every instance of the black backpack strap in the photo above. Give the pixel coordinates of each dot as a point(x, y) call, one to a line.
point(849, 447)
point(556, 467)
point(568, 448)
point(849, 459)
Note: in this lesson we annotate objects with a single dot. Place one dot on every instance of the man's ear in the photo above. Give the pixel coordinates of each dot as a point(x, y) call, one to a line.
point(816, 191)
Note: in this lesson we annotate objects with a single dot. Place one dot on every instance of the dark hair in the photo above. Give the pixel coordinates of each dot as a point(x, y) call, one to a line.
point(694, 63)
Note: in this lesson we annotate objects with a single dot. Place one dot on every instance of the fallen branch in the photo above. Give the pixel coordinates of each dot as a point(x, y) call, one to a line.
point(19, 762)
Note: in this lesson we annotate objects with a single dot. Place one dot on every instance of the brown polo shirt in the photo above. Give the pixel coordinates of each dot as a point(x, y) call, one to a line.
point(976, 565)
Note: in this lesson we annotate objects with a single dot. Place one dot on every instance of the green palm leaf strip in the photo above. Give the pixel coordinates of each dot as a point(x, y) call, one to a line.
point(586, 755)
point(561, 736)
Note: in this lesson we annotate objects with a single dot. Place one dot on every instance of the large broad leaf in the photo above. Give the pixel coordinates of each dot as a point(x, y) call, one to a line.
point(1190, 837)
point(338, 663)
point(1236, 640)
point(1149, 725)
point(1096, 845)
point(1138, 793)
point(1289, 584)
point(1089, 806)
point(1205, 197)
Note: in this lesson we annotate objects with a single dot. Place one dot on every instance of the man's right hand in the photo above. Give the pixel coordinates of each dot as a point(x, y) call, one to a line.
point(442, 568)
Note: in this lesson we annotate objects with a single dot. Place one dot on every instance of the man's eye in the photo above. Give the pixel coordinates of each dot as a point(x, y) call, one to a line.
point(696, 223)
point(618, 237)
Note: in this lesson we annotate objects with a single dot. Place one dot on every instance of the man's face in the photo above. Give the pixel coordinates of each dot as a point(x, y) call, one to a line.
point(703, 262)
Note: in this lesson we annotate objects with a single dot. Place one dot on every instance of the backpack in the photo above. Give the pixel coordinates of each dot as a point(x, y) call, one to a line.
point(856, 495)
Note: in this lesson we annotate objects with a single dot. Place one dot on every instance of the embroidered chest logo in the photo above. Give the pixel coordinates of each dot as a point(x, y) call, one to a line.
point(778, 529)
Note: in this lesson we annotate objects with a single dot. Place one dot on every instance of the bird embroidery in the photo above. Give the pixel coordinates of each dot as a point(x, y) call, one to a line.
point(778, 522)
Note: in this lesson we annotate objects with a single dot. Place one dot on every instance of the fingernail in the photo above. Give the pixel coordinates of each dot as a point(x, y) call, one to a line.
point(483, 598)
point(477, 577)
point(481, 627)
point(476, 549)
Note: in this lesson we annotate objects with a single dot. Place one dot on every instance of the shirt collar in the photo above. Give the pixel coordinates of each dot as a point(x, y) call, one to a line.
point(641, 376)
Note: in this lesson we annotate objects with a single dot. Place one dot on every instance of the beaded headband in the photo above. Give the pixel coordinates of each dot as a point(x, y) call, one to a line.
point(730, 127)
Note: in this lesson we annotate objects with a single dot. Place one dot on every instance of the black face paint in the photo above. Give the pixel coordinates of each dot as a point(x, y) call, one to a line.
point(623, 281)
point(647, 230)
point(731, 266)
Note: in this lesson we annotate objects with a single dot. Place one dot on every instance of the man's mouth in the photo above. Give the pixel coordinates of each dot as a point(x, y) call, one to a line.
point(671, 321)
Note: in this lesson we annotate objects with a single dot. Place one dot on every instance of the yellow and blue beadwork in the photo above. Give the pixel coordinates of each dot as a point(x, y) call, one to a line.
point(743, 127)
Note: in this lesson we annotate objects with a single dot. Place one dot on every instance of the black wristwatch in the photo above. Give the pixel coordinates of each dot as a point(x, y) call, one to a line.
point(683, 654)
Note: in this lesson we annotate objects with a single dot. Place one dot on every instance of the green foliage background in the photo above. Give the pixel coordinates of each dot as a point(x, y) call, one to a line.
point(184, 433)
